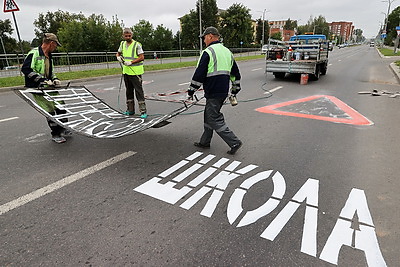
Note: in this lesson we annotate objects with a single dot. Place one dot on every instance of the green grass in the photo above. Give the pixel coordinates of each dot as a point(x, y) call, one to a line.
point(73, 75)
point(389, 52)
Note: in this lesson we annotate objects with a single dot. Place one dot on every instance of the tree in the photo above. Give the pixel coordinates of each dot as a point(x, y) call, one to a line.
point(144, 33)
point(315, 25)
point(163, 39)
point(290, 24)
point(393, 21)
point(191, 26)
point(209, 13)
point(236, 25)
point(358, 34)
point(53, 21)
point(276, 36)
point(190, 30)
point(259, 29)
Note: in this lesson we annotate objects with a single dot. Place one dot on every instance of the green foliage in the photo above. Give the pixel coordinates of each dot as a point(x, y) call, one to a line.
point(290, 24)
point(209, 13)
point(393, 22)
point(94, 33)
point(236, 26)
point(53, 21)
point(276, 36)
point(163, 39)
point(190, 30)
point(191, 26)
point(259, 30)
point(143, 32)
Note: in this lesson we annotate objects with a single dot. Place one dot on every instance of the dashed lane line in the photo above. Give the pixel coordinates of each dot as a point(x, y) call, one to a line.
point(63, 182)
point(273, 90)
point(9, 119)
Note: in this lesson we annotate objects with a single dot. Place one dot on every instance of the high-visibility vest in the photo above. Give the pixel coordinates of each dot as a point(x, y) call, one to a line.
point(130, 54)
point(38, 65)
point(221, 60)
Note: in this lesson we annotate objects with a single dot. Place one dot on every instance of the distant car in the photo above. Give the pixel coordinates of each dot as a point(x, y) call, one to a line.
point(10, 68)
point(330, 46)
point(264, 49)
point(371, 44)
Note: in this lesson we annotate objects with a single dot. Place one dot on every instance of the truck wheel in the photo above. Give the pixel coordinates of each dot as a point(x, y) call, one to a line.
point(315, 77)
point(279, 75)
point(324, 69)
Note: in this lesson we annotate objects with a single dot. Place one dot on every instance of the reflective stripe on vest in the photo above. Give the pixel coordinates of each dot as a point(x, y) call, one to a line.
point(221, 60)
point(129, 55)
point(38, 65)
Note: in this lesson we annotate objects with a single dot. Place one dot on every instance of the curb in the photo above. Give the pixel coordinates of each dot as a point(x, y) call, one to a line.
point(396, 71)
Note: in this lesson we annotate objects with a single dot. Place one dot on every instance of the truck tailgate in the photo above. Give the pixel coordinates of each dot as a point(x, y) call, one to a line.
point(298, 66)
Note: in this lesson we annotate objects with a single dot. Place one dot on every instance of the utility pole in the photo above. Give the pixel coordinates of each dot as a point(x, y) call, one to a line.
point(387, 16)
point(263, 29)
point(201, 39)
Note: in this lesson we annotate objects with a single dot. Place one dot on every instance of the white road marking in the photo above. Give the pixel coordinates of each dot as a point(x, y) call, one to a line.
point(330, 64)
point(273, 90)
point(184, 83)
point(257, 69)
point(9, 119)
point(109, 89)
point(63, 182)
point(32, 139)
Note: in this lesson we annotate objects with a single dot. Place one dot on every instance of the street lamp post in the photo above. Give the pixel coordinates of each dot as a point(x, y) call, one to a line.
point(387, 16)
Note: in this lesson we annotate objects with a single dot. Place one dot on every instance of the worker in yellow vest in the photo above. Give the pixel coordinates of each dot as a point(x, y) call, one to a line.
point(216, 70)
point(130, 54)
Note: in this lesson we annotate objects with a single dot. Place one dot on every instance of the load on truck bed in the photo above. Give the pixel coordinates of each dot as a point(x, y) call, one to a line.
point(303, 54)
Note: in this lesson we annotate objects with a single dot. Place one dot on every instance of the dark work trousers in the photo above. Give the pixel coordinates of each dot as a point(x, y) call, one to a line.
point(56, 129)
point(133, 84)
point(214, 121)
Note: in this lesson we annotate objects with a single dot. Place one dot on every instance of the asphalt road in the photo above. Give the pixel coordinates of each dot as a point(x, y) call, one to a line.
point(303, 190)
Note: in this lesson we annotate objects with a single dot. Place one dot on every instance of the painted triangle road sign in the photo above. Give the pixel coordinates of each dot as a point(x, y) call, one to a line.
point(318, 107)
point(10, 5)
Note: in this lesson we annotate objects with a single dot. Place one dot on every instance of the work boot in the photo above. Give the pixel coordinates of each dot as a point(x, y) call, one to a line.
point(235, 148)
point(129, 113)
point(58, 139)
point(130, 107)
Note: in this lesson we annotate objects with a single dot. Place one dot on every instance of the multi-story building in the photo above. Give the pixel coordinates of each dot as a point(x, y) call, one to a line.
point(276, 26)
point(342, 30)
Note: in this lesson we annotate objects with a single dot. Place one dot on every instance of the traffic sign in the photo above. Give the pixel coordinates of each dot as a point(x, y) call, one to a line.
point(398, 30)
point(10, 6)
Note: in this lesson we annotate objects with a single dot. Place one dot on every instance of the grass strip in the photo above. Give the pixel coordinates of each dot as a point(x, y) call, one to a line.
point(73, 75)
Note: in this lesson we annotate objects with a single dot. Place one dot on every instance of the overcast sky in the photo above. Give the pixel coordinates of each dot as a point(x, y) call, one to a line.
point(365, 14)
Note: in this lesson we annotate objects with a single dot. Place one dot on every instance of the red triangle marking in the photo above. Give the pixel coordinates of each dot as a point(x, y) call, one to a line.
point(356, 118)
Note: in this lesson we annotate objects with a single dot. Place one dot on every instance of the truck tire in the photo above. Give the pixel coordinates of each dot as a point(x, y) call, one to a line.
point(315, 77)
point(324, 69)
point(279, 75)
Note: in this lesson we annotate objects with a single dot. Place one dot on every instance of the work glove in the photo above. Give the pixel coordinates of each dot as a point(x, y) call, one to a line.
point(56, 82)
point(120, 59)
point(128, 63)
point(48, 82)
point(190, 93)
point(235, 89)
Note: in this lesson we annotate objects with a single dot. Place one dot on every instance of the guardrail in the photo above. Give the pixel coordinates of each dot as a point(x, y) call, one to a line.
point(11, 64)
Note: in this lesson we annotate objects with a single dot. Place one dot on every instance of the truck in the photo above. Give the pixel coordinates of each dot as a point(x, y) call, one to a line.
point(302, 54)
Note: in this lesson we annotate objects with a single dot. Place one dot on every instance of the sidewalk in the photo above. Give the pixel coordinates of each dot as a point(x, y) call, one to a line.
point(393, 66)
